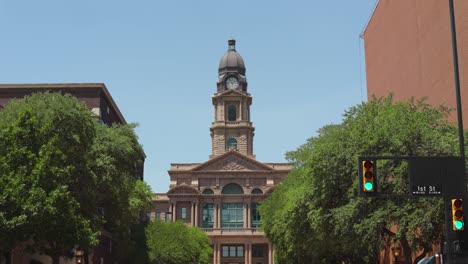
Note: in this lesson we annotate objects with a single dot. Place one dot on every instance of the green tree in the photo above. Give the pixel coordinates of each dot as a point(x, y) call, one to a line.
point(175, 243)
point(116, 158)
point(64, 177)
point(44, 184)
point(319, 197)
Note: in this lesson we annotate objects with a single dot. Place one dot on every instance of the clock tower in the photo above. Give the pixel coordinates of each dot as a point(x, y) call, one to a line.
point(232, 129)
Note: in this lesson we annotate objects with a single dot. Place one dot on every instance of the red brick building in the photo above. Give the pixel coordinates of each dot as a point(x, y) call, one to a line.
point(408, 52)
point(408, 49)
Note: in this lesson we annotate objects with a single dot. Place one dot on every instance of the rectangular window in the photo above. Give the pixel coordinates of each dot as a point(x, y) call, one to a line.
point(184, 213)
point(233, 251)
point(256, 218)
point(148, 216)
point(168, 216)
point(207, 214)
point(158, 216)
point(232, 215)
point(258, 251)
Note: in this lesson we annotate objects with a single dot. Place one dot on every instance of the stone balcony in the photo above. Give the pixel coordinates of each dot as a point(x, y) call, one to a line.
point(233, 231)
point(231, 124)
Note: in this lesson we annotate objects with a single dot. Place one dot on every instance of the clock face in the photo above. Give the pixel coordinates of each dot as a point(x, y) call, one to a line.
point(232, 83)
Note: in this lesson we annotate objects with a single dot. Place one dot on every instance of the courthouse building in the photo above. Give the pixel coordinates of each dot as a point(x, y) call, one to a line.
point(221, 195)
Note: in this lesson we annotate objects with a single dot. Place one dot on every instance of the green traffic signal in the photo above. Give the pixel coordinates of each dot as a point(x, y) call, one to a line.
point(458, 224)
point(368, 186)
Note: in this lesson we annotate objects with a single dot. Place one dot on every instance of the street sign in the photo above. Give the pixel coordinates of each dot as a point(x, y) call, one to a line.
point(435, 176)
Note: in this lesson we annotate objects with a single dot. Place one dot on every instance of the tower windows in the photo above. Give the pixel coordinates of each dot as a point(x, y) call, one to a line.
point(232, 113)
point(231, 144)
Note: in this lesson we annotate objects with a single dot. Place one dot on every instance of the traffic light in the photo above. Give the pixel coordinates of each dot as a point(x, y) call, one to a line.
point(457, 215)
point(368, 177)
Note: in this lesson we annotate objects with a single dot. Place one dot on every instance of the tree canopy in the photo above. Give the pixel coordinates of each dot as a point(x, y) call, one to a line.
point(58, 165)
point(316, 215)
point(175, 243)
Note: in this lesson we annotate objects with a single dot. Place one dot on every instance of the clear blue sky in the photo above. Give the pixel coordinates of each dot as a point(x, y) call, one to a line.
point(159, 60)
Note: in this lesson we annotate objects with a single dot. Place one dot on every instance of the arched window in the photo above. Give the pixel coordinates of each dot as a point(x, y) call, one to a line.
point(257, 191)
point(232, 113)
point(232, 188)
point(208, 192)
point(231, 144)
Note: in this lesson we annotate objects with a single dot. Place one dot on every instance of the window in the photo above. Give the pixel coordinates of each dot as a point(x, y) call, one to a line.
point(168, 216)
point(232, 188)
point(257, 191)
point(233, 251)
point(207, 214)
point(231, 144)
point(184, 213)
point(256, 218)
point(258, 251)
point(232, 113)
point(158, 215)
point(148, 216)
point(208, 192)
point(232, 215)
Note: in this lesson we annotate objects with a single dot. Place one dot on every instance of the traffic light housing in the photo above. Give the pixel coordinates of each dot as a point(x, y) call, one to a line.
point(368, 176)
point(458, 224)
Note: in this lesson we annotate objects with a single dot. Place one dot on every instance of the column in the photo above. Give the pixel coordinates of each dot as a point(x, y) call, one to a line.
point(270, 253)
point(249, 216)
point(196, 214)
point(219, 253)
point(218, 215)
point(174, 211)
point(245, 215)
point(247, 252)
point(192, 214)
point(170, 211)
point(215, 252)
point(215, 215)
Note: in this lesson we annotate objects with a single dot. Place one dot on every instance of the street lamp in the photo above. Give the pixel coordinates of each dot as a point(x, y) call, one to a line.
point(79, 256)
point(396, 253)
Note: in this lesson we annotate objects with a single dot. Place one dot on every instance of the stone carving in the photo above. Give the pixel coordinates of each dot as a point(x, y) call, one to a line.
point(233, 164)
point(242, 138)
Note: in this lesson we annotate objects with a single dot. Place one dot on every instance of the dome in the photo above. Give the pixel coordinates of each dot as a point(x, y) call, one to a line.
point(231, 60)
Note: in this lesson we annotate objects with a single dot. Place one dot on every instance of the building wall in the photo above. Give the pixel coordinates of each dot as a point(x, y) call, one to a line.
point(409, 52)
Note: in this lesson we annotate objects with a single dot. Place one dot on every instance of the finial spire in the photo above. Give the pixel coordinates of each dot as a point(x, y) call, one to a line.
point(232, 44)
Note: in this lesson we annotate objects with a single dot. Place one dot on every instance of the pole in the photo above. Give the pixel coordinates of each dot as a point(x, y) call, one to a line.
point(450, 238)
point(457, 80)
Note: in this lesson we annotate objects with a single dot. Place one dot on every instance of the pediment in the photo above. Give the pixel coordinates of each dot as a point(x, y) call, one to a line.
point(232, 161)
point(232, 92)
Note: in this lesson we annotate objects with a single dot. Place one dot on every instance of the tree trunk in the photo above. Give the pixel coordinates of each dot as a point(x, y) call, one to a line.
point(7, 255)
point(55, 259)
point(406, 251)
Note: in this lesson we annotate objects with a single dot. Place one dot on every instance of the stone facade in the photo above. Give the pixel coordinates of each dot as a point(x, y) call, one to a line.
point(221, 195)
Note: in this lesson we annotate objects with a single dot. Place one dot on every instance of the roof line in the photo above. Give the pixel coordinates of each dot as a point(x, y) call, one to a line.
point(363, 31)
point(69, 85)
